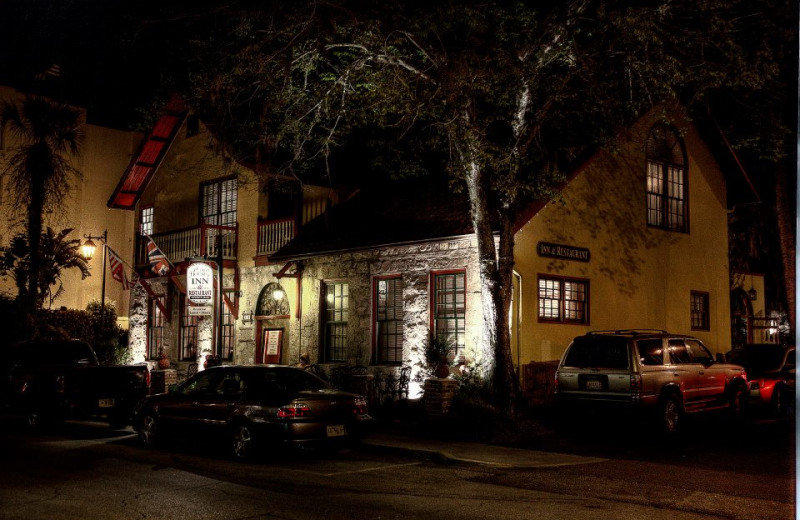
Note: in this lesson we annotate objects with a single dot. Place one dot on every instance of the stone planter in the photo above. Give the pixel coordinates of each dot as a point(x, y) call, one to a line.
point(438, 397)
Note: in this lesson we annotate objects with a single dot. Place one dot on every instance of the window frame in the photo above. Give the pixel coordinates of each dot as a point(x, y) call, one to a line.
point(220, 217)
point(704, 313)
point(331, 329)
point(562, 281)
point(460, 318)
point(392, 326)
point(188, 333)
point(156, 323)
point(228, 328)
point(146, 211)
point(661, 153)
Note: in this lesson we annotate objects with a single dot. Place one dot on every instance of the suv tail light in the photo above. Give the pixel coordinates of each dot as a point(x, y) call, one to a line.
point(294, 410)
point(636, 385)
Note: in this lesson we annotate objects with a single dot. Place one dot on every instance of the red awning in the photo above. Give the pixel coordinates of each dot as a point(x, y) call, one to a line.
point(148, 157)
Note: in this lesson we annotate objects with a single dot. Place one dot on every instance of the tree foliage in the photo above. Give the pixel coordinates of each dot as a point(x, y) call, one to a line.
point(45, 137)
point(56, 254)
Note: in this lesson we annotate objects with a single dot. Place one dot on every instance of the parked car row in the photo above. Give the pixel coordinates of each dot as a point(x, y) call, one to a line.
point(250, 408)
point(672, 375)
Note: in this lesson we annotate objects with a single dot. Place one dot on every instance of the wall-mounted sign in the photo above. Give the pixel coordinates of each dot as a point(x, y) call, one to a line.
point(272, 342)
point(199, 310)
point(580, 254)
point(200, 283)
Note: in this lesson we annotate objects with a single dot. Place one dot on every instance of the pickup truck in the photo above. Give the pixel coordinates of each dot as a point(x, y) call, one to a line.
point(52, 380)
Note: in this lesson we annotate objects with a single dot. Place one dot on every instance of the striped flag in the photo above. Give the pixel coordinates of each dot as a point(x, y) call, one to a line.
point(118, 269)
point(159, 263)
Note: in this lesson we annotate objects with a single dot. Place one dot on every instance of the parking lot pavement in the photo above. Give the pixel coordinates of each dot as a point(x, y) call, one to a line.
point(474, 453)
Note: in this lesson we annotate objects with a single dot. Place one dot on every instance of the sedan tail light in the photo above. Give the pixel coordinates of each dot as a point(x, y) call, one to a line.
point(360, 406)
point(294, 410)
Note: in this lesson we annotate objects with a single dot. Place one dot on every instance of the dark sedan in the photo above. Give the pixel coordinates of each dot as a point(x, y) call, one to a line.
point(251, 408)
point(771, 375)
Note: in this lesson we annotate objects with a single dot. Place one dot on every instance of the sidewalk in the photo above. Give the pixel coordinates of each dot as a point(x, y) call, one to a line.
point(472, 452)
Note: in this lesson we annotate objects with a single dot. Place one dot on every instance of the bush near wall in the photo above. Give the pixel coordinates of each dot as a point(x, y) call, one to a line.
point(109, 342)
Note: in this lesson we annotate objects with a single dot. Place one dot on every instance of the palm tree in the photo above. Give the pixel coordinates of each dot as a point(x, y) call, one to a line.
point(46, 135)
point(56, 254)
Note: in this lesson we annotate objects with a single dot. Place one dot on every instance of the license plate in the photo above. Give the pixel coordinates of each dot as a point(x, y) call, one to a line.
point(106, 403)
point(594, 384)
point(336, 430)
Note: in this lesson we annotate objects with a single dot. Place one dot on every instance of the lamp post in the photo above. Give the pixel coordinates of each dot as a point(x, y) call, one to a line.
point(88, 249)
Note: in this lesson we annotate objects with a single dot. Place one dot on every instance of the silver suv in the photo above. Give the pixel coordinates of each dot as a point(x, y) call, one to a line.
point(649, 369)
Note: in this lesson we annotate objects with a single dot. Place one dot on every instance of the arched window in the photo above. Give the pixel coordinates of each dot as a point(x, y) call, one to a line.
point(667, 181)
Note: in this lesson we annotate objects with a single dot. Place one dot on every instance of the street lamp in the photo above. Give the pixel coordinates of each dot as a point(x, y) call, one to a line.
point(88, 249)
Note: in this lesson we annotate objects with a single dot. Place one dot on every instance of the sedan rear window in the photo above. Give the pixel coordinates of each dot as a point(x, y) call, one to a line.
point(597, 352)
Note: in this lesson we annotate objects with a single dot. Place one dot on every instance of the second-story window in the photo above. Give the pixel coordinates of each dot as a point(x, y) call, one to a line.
point(667, 188)
point(219, 202)
point(146, 221)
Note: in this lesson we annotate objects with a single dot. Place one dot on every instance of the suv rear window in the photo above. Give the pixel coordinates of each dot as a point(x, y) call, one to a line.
point(598, 352)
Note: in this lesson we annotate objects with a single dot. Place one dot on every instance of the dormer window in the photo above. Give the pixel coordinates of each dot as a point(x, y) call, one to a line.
point(667, 188)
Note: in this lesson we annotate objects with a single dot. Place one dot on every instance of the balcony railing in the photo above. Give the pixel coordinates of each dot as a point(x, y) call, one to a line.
point(274, 234)
point(191, 242)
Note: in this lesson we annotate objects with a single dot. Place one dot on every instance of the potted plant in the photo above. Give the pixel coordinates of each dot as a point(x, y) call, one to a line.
point(438, 355)
point(163, 360)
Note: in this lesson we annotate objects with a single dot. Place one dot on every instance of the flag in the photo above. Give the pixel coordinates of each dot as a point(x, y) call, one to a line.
point(158, 260)
point(53, 71)
point(118, 269)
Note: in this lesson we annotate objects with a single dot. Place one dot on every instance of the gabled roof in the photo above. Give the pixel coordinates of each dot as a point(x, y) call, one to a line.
point(399, 214)
point(148, 157)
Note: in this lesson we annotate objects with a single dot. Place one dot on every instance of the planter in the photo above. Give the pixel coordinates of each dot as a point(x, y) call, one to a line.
point(442, 370)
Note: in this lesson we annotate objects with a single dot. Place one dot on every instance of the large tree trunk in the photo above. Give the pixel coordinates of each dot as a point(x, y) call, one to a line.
point(495, 276)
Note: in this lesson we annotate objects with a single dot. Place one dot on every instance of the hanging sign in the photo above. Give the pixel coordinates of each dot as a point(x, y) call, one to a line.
point(200, 284)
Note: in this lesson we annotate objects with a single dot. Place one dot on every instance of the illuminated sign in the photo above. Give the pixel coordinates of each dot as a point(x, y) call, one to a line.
point(200, 284)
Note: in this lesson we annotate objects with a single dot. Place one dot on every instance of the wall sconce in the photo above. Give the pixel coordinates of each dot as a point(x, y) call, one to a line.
point(752, 294)
point(247, 317)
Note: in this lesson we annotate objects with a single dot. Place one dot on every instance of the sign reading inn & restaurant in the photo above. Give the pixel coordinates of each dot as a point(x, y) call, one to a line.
point(564, 252)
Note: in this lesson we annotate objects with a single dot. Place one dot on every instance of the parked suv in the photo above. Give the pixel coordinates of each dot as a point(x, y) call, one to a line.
point(672, 374)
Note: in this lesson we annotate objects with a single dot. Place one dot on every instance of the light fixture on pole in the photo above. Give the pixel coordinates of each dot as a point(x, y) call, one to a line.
point(88, 249)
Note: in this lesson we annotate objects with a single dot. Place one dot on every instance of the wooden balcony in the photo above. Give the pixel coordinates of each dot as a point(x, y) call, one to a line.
point(192, 242)
point(274, 234)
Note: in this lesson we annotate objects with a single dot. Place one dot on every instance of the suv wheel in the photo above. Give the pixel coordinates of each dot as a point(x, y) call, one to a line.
point(671, 414)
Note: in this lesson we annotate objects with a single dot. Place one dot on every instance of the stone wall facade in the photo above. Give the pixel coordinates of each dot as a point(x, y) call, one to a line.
point(302, 330)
